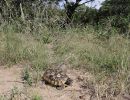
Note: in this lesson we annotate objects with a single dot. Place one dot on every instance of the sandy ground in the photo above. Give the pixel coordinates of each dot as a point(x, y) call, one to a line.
point(73, 92)
point(11, 77)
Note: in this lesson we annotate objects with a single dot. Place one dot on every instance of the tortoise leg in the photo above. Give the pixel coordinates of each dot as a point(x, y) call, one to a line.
point(69, 82)
point(60, 87)
point(45, 82)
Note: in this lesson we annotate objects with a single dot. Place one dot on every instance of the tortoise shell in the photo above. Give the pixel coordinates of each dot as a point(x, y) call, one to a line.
point(56, 77)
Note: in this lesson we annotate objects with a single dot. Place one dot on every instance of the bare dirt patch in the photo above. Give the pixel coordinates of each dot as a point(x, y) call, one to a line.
point(82, 88)
point(10, 78)
point(74, 92)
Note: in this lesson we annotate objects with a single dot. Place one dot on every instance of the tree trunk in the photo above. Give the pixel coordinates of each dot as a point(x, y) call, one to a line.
point(70, 9)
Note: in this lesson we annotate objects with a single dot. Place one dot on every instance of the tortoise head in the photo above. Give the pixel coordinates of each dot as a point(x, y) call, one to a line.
point(69, 81)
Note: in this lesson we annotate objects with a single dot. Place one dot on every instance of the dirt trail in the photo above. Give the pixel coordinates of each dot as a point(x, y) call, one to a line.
point(50, 52)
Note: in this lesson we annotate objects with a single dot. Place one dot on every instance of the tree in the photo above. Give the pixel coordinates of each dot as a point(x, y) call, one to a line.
point(15, 8)
point(118, 11)
point(84, 15)
point(71, 7)
point(11, 8)
point(115, 7)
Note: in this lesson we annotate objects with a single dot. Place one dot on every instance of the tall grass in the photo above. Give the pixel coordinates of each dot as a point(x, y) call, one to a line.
point(19, 47)
point(102, 57)
point(82, 46)
point(106, 58)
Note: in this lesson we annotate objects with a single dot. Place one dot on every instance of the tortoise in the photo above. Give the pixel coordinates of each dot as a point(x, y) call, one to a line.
point(56, 77)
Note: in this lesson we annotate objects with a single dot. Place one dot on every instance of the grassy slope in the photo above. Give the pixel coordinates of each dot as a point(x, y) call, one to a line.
point(80, 48)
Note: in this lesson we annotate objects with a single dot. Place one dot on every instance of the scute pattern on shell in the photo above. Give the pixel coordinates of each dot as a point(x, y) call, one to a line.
point(56, 77)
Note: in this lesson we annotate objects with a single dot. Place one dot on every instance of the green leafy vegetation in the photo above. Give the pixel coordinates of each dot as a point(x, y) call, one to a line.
point(27, 77)
point(37, 97)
